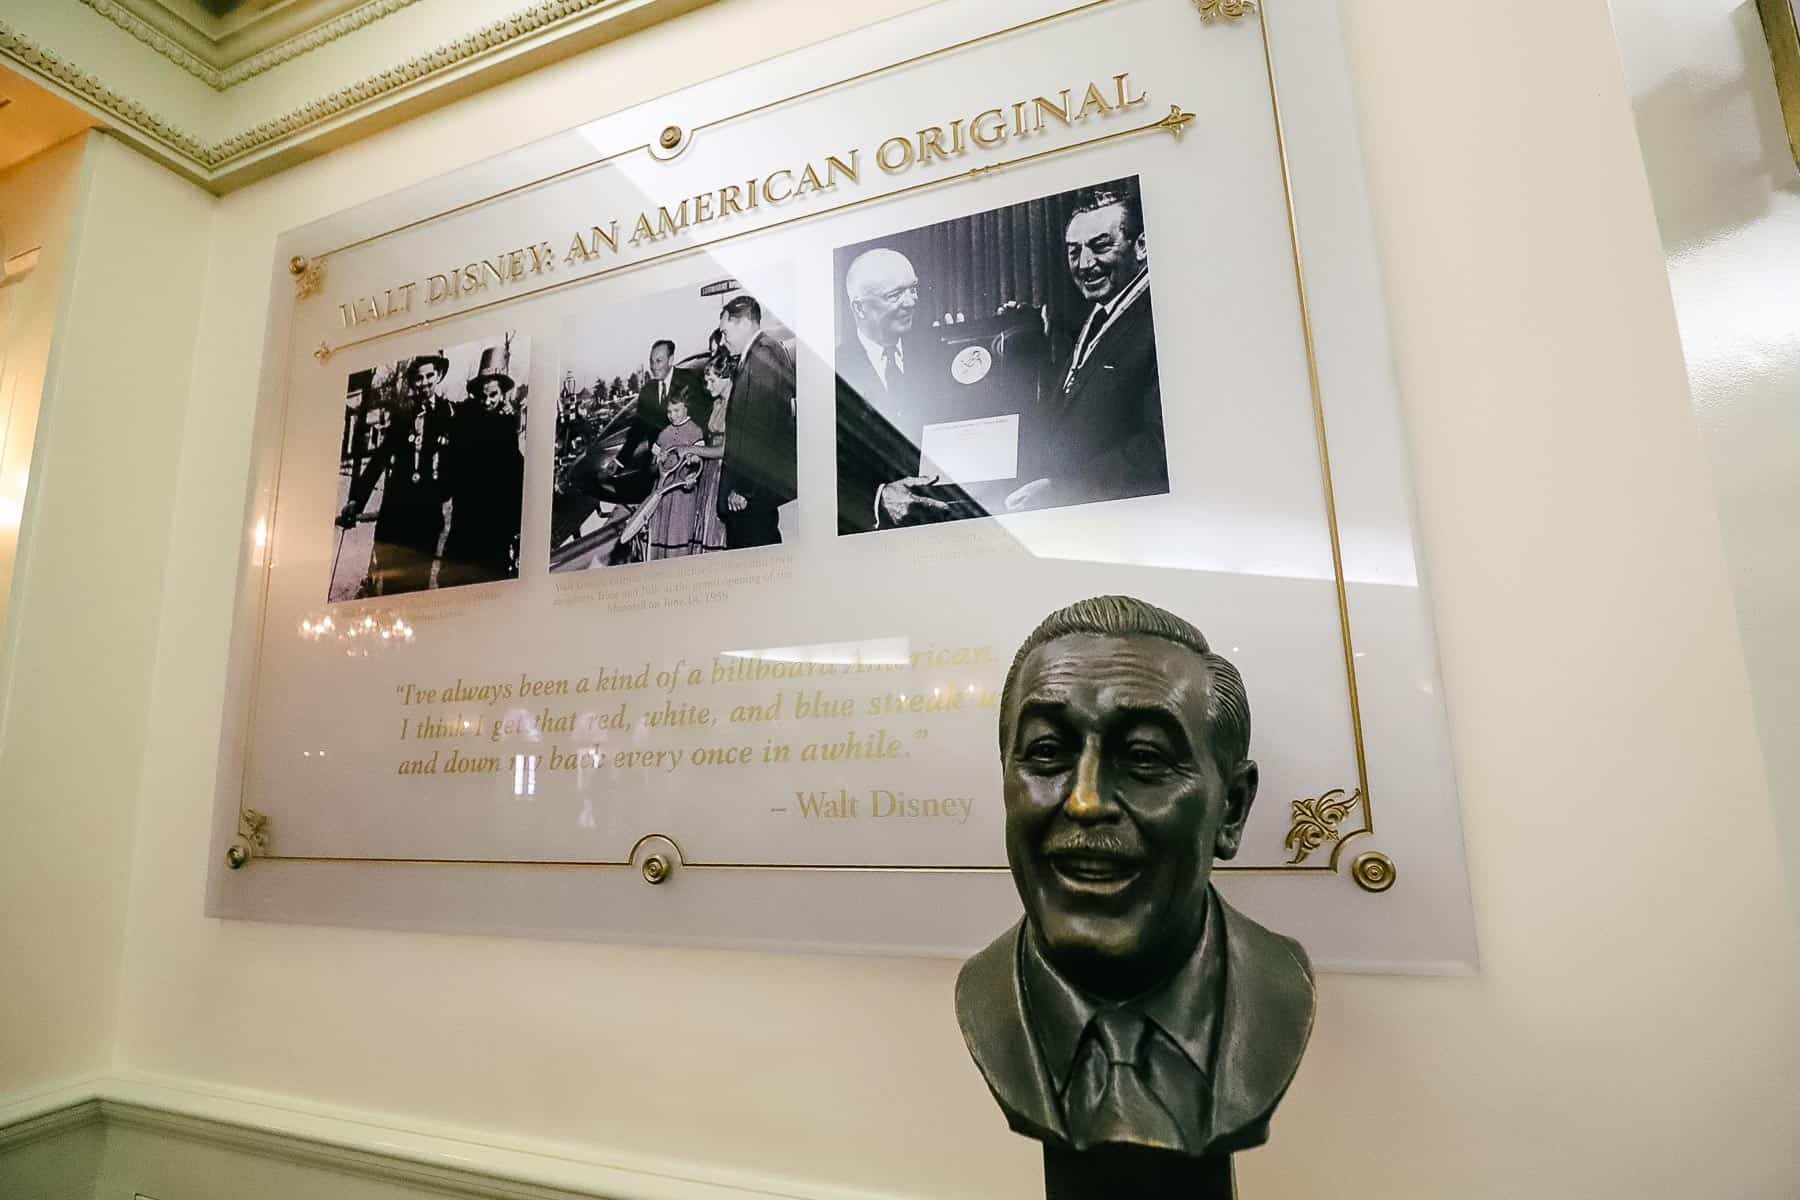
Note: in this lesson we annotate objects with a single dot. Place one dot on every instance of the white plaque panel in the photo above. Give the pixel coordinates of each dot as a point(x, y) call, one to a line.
point(1072, 306)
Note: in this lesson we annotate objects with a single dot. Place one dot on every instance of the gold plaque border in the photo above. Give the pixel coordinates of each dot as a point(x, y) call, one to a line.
point(1175, 123)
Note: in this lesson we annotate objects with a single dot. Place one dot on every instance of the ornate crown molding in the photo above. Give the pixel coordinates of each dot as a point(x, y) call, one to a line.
point(35, 58)
point(312, 39)
point(210, 157)
point(231, 74)
point(157, 40)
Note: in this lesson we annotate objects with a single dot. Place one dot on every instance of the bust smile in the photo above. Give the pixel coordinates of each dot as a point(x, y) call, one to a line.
point(1099, 872)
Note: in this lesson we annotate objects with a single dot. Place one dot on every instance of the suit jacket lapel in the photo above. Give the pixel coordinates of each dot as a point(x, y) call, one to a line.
point(1263, 1031)
point(1131, 324)
point(856, 371)
point(990, 1006)
point(1267, 1018)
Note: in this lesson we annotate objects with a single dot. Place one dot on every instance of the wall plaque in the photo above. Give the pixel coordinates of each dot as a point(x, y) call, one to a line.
point(643, 517)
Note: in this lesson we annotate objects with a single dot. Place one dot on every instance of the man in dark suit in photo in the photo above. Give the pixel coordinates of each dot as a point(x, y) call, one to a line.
point(891, 383)
point(652, 405)
point(1103, 432)
point(758, 472)
point(487, 477)
point(412, 464)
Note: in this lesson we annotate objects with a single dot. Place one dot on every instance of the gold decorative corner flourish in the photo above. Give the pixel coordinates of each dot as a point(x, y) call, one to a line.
point(1176, 122)
point(308, 273)
point(1230, 10)
point(253, 827)
point(1316, 820)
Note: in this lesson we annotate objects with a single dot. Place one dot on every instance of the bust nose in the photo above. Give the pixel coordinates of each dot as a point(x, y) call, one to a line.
point(1086, 801)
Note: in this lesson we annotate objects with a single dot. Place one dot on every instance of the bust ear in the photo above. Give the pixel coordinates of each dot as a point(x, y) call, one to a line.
point(1240, 794)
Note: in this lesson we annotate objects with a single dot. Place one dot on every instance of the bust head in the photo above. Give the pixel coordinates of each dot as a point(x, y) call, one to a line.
point(1124, 747)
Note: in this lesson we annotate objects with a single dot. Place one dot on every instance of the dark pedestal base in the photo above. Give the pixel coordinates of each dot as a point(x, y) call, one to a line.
point(1129, 1173)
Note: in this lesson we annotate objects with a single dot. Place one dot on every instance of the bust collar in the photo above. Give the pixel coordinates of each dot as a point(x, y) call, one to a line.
point(1185, 1006)
point(1265, 1019)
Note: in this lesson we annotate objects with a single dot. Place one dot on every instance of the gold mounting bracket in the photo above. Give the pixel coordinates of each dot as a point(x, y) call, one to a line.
point(253, 839)
point(1373, 871)
point(670, 143)
point(308, 273)
point(656, 856)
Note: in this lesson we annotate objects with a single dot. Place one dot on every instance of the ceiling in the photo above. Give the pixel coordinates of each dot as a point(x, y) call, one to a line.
point(32, 119)
point(224, 33)
point(230, 91)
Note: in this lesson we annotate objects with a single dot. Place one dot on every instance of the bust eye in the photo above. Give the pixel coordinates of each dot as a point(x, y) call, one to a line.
point(1046, 751)
point(1146, 760)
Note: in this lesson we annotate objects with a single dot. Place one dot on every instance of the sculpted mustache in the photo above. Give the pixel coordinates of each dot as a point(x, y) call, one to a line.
point(1108, 845)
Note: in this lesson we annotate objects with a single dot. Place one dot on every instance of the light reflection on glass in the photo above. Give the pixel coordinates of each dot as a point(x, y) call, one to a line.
point(358, 636)
point(525, 774)
point(873, 652)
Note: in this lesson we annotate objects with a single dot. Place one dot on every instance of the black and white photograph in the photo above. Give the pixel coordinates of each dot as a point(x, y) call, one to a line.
point(999, 363)
point(431, 471)
point(675, 428)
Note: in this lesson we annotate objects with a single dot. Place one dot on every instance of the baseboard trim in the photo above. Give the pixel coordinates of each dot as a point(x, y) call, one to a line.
point(457, 1162)
point(33, 1129)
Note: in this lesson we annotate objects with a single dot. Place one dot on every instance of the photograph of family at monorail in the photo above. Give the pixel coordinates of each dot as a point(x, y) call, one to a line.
point(675, 428)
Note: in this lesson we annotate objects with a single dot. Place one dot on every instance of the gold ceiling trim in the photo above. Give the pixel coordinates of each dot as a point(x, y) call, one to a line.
point(223, 77)
point(456, 54)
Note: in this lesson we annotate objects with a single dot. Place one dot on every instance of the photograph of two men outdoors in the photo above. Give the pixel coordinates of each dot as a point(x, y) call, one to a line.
point(431, 471)
point(999, 363)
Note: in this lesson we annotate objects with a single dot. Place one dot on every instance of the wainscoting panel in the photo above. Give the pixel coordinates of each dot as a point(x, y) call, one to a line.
point(53, 1157)
point(149, 1138)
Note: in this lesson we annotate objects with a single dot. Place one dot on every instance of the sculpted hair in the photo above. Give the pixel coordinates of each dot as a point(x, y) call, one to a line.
point(739, 307)
point(663, 344)
point(1122, 192)
point(1228, 707)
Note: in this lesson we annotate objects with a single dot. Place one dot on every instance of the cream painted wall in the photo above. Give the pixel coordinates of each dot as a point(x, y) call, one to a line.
point(87, 591)
point(1727, 199)
point(37, 199)
point(1633, 1029)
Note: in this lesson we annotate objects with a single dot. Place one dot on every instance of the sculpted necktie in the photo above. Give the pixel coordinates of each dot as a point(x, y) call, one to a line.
point(1109, 1100)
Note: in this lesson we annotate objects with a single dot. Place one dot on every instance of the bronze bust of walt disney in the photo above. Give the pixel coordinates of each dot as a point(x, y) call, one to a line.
point(1132, 1019)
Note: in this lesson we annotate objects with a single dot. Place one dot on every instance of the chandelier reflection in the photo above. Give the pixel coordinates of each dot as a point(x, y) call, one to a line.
point(361, 635)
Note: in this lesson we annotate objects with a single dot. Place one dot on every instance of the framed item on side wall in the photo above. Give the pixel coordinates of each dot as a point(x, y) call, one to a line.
point(1783, 33)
